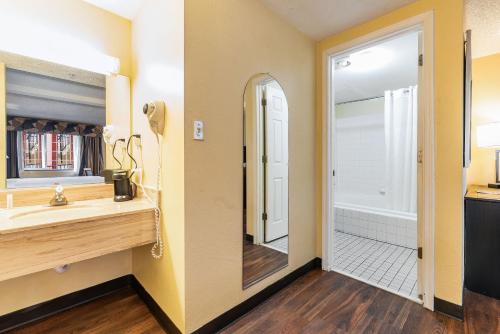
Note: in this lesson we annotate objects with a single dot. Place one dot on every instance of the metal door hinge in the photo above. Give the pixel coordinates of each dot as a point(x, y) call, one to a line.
point(264, 159)
point(333, 173)
point(420, 156)
point(264, 216)
point(419, 253)
point(264, 102)
point(421, 60)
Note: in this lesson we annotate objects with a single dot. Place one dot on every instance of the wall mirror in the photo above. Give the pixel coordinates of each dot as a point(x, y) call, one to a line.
point(265, 183)
point(52, 118)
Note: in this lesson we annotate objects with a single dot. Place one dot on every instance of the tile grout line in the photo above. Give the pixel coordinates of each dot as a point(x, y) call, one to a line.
point(397, 272)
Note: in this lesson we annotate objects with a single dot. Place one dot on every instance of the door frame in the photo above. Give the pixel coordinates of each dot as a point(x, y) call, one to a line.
point(426, 193)
point(260, 177)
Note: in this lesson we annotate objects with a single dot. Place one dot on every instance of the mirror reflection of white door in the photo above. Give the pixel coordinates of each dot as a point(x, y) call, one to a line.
point(276, 124)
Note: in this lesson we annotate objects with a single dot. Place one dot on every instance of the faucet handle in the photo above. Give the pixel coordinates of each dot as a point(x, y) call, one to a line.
point(59, 188)
point(59, 198)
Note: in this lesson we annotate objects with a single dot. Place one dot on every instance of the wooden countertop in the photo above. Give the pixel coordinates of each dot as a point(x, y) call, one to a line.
point(40, 237)
point(482, 193)
point(42, 216)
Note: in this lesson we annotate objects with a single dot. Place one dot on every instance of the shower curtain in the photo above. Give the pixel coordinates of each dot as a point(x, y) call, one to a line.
point(401, 149)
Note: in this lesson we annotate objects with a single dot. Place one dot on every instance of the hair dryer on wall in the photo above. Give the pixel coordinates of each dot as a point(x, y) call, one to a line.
point(155, 112)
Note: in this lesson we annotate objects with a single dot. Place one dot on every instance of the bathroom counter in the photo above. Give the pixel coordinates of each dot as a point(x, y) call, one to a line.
point(40, 237)
point(42, 216)
point(483, 193)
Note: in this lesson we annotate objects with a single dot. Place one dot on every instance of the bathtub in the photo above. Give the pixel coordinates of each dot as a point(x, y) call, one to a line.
point(398, 228)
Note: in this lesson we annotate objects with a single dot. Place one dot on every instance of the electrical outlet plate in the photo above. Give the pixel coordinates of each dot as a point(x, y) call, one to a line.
point(198, 130)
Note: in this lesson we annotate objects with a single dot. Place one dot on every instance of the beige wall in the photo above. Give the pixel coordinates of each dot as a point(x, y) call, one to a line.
point(448, 49)
point(158, 74)
point(485, 109)
point(226, 43)
point(111, 35)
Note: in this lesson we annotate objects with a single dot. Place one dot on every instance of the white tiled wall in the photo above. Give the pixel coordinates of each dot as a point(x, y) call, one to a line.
point(360, 152)
point(397, 230)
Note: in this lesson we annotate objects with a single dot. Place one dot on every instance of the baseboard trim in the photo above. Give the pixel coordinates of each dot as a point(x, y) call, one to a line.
point(241, 309)
point(447, 308)
point(46, 309)
point(249, 238)
point(165, 322)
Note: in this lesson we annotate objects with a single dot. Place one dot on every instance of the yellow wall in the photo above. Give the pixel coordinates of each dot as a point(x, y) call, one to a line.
point(485, 109)
point(106, 32)
point(111, 35)
point(226, 43)
point(158, 74)
point(448, 49)
point(32, 289)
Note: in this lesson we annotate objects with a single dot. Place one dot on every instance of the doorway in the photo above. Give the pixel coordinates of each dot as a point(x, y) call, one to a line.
point(378, 121)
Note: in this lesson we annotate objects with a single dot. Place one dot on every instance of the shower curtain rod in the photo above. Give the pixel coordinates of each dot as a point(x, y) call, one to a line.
point(366, 99)
point(360, 100)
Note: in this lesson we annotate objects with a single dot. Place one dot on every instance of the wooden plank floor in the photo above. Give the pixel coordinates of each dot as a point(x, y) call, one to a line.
point(122, 312)
point(318, 302)
point(322, 302)
point(260, 261)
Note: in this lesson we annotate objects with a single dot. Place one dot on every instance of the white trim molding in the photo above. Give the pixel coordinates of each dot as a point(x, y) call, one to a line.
point(426, 193)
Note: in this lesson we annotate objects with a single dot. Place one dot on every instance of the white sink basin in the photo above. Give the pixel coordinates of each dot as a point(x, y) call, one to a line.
point(38, 216)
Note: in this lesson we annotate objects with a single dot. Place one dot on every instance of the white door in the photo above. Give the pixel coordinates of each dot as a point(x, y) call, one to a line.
point(276, 125)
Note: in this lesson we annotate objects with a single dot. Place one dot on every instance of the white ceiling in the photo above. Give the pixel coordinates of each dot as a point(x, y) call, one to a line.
point(125, 8)
point(400, 70)
point(321, 18)
point(483, 17)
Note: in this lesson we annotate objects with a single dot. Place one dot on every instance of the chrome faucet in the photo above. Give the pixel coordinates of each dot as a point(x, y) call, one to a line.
point(59, 198)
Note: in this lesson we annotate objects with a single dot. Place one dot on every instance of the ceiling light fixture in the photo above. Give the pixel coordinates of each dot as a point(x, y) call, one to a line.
point(370, 59)
point(342, 63)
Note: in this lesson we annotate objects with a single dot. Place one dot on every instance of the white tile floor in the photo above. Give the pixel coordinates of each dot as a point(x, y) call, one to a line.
point(280, 244)
point(383, 264)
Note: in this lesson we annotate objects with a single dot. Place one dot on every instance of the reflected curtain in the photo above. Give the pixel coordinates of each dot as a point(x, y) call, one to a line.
point(12, 158)
point(92, 154)
point(401, 149)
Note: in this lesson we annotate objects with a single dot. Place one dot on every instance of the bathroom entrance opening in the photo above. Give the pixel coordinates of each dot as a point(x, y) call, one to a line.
point(377, 140)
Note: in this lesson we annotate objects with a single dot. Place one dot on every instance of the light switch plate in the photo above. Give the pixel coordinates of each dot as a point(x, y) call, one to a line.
point(198, 130)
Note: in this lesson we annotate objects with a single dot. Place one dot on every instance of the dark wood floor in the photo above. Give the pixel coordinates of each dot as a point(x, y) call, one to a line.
point(260, 261)
point(122, 312)
point(322, 302)
point(318, 302)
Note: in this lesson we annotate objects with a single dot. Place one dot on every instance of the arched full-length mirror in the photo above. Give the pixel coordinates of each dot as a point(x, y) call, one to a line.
point(265, 152)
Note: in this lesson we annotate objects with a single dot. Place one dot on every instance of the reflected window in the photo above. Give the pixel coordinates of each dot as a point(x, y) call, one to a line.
point(47, 151)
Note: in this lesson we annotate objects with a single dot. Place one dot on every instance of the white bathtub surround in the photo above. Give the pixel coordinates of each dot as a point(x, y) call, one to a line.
point(401, 149)
point(359, 152)
point(389, 226)
point(387, 266)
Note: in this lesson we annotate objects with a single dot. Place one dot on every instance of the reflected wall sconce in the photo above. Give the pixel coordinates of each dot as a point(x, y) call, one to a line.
point(488, 135)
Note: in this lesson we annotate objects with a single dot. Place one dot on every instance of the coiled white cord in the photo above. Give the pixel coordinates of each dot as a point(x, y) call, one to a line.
point(157, 250)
